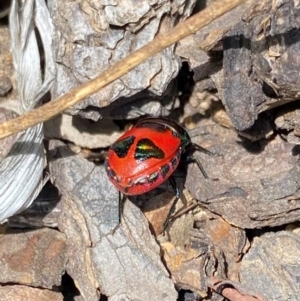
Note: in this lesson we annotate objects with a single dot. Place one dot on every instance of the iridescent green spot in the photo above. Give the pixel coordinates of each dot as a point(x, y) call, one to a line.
point(122, 147)
point(146, 149)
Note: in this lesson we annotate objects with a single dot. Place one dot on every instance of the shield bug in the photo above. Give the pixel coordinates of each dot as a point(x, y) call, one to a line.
point(148, 154)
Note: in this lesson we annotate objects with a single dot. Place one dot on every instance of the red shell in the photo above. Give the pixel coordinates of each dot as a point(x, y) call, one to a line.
point(133, 176)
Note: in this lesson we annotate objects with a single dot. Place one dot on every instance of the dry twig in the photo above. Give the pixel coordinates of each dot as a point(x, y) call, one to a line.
point(77, 94)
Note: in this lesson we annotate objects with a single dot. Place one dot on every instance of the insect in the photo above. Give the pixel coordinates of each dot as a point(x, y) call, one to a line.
point(148, 154)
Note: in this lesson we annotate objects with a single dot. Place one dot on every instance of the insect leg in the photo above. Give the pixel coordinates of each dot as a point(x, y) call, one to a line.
point(191, 158)
point(177, 196)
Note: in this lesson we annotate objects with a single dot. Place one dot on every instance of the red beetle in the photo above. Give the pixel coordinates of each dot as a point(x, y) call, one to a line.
point(147, 155)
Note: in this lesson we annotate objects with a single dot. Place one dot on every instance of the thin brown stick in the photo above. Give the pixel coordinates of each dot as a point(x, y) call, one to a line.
point(77, 94)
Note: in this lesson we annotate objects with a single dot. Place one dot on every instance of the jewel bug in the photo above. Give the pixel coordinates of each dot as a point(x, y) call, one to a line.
point(147, 155)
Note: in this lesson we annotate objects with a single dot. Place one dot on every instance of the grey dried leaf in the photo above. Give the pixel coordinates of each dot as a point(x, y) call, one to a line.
point(21, 170)
point(21, 173)
point(26, 56)
point(123, 264)
point(7, 143)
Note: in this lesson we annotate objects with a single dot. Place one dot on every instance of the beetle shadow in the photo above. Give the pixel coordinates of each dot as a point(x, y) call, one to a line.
point(153, 199)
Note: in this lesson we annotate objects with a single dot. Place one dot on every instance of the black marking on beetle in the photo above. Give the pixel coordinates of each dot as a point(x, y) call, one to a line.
point(110, 172)
point(122, 147)
point(153, 177)
point(174, 162)
point(146, 149)
point(164, 170)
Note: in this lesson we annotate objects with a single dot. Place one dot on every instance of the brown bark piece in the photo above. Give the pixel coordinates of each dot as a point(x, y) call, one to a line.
point(157, 209)
point(203, 52)
point(6, 66)
point(164, 218)
point(251, 185)
point(288, 120)
point(35, 258)
point(271, 267)
point(119, 261)
point(260, 61)
point(216, 247)
point(260, 66)
point(91, 36)
point(82, 132)
point(26, 293)
point(225, 239)
point(5, 85)
point(186, 267)
point(178, 230)
point(194, 48)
